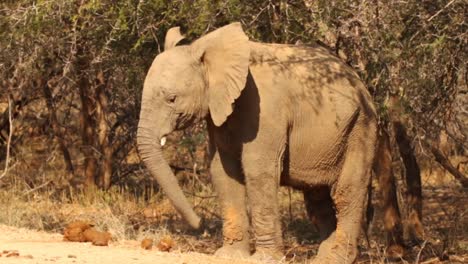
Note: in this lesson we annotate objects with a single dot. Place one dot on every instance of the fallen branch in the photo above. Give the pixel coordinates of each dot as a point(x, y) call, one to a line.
point(178, 169)
point(201, 196)
point(445, 163)
point(418, 257)
point(430, 261)
point(37, 188)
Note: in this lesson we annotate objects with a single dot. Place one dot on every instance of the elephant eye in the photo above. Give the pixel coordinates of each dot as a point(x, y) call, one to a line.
point(171, 99)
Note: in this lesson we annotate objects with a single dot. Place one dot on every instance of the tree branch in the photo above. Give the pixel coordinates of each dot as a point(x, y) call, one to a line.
point(10, 119)
point(445, 163)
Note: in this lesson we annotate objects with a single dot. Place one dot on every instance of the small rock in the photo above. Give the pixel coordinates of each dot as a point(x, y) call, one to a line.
point(71, 256)
point(28, 256)
point(147, 243)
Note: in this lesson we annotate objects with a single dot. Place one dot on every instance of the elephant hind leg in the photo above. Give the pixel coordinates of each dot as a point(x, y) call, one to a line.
point(350, 195)
point(321, 210)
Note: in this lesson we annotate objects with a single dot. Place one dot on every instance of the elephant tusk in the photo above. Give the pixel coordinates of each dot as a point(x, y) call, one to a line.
point(163, 141)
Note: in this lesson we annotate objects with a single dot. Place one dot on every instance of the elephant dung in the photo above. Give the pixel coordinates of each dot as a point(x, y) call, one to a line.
point(147, 243)
point(74, 231)
point(96, 237)
point(80, 231)
point(166, 244)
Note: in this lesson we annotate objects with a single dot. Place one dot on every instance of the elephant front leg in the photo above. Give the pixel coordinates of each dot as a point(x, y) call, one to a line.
point(228, 181)
point(262, 180)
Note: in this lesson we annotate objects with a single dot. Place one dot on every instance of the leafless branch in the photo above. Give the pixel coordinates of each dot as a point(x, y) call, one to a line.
point(440, 11)
point(7, 160)
point(37, 188)
point(445, 163)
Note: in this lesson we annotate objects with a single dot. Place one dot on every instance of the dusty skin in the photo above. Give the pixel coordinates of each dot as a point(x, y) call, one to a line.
point(41, 247)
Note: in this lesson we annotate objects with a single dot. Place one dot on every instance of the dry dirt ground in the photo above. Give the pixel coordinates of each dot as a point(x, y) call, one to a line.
point(41, 247)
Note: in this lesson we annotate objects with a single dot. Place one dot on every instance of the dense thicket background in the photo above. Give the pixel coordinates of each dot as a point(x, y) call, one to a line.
point(73, 71)
point(71, 74)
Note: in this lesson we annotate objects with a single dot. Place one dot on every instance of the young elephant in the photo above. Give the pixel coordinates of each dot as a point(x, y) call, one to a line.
point(276, 114)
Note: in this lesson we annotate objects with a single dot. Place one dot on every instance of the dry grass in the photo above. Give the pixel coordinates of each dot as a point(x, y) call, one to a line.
point(126, 216)
point(40, 210)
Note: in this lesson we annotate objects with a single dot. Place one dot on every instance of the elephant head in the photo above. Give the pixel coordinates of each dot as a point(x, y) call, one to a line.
point(185, 84)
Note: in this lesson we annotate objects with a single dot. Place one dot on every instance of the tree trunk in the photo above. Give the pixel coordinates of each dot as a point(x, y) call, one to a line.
point(57, 133)
point(413, 181)
point(18, 104)
point(87, 133)
point(105, 171)
point(384, 172)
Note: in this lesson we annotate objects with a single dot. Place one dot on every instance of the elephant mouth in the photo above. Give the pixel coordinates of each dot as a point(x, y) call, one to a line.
point(185, 121)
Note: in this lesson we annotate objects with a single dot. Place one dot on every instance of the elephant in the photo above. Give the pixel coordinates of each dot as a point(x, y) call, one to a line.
point(277, 115)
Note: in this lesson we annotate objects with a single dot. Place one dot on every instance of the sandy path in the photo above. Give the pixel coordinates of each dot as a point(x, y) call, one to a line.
point(41, 247)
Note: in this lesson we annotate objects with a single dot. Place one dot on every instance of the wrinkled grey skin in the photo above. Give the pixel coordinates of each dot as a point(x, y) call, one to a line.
point(277, 115)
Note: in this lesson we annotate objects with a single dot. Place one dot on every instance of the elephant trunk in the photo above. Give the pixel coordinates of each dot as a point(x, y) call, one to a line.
point(150, 151)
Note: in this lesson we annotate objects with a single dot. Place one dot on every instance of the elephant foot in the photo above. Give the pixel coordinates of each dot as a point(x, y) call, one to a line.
point(268, 255)
point(395, 252)
point(335, 250)
point(235, 250)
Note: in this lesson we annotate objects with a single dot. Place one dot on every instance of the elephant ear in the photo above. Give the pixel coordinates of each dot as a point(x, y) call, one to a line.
point(224, 54)
point(173, 37)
